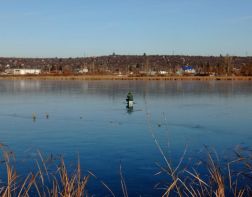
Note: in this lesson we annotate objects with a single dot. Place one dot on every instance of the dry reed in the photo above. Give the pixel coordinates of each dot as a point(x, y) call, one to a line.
point(231, 179)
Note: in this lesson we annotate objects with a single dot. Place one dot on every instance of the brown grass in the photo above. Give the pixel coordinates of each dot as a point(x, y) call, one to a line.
point(220, 180)
point(124, 77)
point(232, 178)
point(59, 183)
point(182, 180)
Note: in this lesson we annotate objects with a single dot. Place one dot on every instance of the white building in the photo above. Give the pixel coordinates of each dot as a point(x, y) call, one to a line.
point(83, 70)
point(23, 71)
point(163, 72)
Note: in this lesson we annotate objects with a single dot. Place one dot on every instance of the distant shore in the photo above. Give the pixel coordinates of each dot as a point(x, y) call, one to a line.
point(123, 77)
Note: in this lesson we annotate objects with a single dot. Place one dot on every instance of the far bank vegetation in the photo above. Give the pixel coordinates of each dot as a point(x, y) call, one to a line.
point(135, 65)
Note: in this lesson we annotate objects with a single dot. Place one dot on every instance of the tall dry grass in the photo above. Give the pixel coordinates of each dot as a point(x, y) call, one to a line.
point(212, 178)
point(209, 178)
point(42, 182)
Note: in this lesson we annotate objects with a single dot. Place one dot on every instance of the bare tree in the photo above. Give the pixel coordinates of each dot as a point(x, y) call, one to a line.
point(228, 61)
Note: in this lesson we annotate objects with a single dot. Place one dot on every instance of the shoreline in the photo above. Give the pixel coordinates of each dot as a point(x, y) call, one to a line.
point(113, 77)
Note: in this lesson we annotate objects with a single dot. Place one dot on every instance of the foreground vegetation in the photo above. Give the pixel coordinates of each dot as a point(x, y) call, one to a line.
point(232, 178)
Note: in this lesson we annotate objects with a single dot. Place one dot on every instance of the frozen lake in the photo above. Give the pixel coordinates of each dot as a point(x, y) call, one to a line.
point(90, 119)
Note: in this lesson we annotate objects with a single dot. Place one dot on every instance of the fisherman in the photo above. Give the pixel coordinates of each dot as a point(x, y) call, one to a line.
point(129, 100)
point(129, 97)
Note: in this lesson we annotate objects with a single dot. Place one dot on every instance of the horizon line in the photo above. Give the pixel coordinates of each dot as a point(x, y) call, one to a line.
point(119, 54)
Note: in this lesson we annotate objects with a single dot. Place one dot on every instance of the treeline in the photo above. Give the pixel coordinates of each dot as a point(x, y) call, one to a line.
point(204, 65)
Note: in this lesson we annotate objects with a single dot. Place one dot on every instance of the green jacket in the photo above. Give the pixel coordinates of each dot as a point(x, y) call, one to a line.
point(129, 97)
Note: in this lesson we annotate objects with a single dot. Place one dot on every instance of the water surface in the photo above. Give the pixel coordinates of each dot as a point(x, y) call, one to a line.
point(90, 119)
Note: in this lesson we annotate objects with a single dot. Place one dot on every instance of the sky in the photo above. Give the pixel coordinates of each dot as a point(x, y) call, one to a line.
point(81, 28)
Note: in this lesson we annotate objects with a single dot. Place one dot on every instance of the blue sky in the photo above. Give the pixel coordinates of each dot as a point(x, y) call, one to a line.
point(64, 28)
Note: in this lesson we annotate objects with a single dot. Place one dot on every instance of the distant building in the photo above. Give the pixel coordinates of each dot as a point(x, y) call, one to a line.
point(83, 70)
point(23, 71)
point(179, 72)
point(188, 70)
point(163, 72)
point(152, 73)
